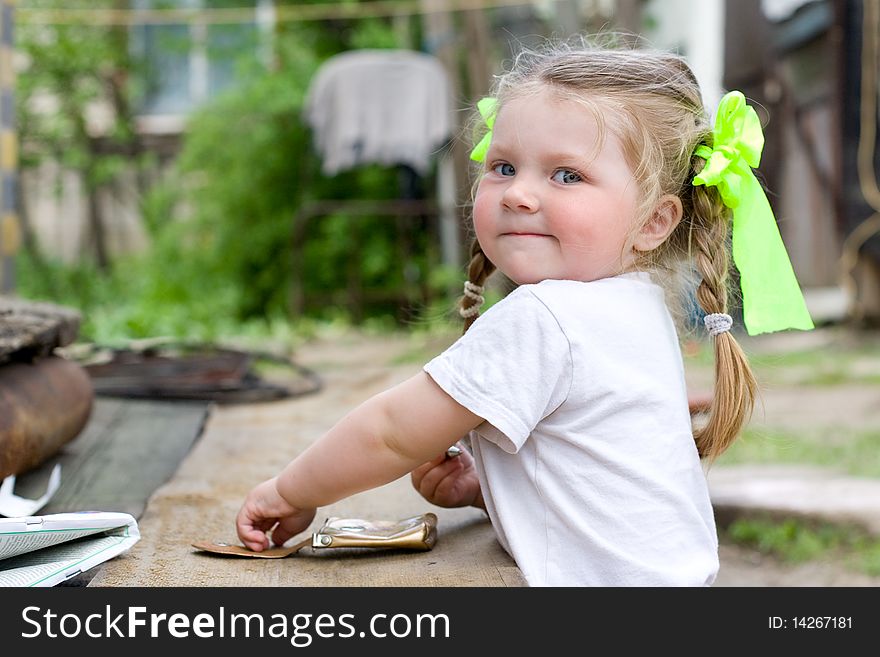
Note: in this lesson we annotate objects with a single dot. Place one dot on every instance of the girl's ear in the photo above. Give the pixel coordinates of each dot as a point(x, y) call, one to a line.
point(663, 221)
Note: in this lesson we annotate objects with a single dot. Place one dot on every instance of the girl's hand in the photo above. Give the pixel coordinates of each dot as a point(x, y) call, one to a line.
point(449, 482)
point(263, 509)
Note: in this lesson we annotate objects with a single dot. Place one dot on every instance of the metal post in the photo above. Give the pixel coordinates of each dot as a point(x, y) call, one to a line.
point(10, 233)
point(266, 24)
point(452, 179)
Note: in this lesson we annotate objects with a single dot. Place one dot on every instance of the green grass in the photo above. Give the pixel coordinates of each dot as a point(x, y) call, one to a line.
point(833, 365)
point(796, 541)
point(856, 452)
point(425, 347)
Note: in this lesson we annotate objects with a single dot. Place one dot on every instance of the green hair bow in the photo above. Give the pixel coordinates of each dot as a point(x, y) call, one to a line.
point(772, 299)
point(488, 108)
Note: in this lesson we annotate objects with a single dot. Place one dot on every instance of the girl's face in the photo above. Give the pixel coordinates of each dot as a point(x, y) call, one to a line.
point(550, 205)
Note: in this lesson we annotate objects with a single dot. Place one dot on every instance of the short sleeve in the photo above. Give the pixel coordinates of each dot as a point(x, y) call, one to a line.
point(512, 368)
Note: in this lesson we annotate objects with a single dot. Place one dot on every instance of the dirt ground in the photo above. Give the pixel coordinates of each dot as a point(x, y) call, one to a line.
point(792, 401)
point(743, 567)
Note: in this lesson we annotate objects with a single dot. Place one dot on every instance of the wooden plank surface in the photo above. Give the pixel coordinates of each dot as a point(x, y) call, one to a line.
point(32, 328)
point(126, 451)
point(244, 444)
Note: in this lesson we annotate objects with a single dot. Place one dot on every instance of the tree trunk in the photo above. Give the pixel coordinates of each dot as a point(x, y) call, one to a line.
point(97, 230)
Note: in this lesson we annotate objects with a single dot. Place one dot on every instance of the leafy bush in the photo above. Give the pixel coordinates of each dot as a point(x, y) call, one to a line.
point(220, 222)
point(246, 168)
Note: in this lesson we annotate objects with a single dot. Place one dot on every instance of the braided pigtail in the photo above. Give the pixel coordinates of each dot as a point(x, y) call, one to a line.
point(735, 385)
point(479, 269)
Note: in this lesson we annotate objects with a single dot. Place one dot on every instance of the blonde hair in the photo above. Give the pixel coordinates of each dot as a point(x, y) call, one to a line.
point(651, 102)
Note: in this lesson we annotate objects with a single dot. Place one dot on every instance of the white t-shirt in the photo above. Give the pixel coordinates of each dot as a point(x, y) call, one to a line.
point(586, 459)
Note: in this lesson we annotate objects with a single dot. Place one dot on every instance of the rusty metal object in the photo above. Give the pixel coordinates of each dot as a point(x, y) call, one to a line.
point(43, 406)
point(196, 372)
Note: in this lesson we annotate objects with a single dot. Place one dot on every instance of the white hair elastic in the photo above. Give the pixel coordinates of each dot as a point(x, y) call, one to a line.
point(469, 312)
point(718, 323)
point(475, 293)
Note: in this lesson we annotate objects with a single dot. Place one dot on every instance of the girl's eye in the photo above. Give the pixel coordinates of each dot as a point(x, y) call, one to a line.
point(504, 169)
point(566, 176)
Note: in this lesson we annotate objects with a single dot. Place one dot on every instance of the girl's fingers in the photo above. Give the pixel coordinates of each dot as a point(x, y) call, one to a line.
point(440, 480)
point(446, 487)
point(292, 525)
point(437, 472)
point(424, 468)
point(446, 457)
point(253, 537)
point(281, 534)
point(431, 480)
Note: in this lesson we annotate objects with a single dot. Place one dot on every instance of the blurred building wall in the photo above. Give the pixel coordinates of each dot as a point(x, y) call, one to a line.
point(57, 207)
point(784, 55)
point(859, 22)
point(806, 61)
point(695, 31)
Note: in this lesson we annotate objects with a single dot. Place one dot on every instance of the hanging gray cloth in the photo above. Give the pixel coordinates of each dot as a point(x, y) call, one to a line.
point(379, 107)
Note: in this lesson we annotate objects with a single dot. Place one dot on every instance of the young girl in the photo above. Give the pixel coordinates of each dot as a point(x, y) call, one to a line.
point(572, 387)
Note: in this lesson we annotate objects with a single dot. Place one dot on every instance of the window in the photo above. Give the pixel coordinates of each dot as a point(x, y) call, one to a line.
point(186, 63)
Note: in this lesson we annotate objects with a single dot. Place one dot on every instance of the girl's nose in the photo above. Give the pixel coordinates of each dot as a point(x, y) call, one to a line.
point(518, 198)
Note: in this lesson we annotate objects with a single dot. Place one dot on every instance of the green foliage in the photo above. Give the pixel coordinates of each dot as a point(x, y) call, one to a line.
point(71, 67)
point(220, 222)
point(131, 302)
point(792, 540)
point(373, 33)
point(798, 541)
point(242, 166)
point(247, 168)
point(857, 452)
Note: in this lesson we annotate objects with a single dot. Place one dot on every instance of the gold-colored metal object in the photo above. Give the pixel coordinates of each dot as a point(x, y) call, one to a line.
point(417, 533)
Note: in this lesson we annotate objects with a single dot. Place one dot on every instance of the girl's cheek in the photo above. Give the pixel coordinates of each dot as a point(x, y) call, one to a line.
point(481, 213)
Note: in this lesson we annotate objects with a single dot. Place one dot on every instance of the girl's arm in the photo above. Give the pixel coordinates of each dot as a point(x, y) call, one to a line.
point(381, 440)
